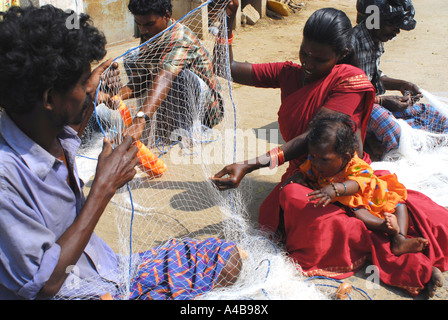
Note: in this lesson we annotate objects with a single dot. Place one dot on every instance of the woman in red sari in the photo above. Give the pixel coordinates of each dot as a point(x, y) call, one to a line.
point(330, 241)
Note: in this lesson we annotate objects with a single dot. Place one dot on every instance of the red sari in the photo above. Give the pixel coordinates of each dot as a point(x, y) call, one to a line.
point(326, 240)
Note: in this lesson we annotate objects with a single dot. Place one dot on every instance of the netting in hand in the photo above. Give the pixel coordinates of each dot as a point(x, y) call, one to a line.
point(191, 136)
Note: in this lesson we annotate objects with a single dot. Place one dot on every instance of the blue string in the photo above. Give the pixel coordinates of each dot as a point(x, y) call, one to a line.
point(229, 81)
point(82, 156)
point(104, 134)
point(340, 281)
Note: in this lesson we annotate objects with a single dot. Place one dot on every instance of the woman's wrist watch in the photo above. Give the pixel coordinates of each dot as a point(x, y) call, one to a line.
point(141, 114)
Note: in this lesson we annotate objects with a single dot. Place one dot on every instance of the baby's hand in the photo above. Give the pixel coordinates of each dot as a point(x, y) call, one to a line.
point(324, 196)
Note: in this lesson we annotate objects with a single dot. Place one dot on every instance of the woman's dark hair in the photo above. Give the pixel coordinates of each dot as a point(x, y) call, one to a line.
point(332, 26)
point(42, 48)
point(336, 126)
point(144, 7)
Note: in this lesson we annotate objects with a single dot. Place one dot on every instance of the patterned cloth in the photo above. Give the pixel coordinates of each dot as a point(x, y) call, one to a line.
point(424, 116)
point(369, 54)
point(6, 4)
point(384, 126)
point(377, 194)
point(181, 270)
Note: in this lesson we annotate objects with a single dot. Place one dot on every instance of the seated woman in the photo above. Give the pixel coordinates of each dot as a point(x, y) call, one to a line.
point(326, 241)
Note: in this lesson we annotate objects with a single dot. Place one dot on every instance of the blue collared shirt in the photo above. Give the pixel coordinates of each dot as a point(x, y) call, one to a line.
point(36, 207)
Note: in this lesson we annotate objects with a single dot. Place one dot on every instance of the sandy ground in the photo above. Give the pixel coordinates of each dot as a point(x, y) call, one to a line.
point(418, 56)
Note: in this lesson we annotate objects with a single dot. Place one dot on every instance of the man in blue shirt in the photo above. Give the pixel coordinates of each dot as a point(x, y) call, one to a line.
point(47, 240)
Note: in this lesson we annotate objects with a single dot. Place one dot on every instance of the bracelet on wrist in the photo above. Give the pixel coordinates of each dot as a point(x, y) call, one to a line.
point(345, 188)
point(228, 41)
point(379, 100)
point(277, 158)
point(335, 190)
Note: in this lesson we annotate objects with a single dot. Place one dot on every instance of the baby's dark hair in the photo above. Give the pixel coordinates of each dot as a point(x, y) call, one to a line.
point(39, 51)
point(336, 126)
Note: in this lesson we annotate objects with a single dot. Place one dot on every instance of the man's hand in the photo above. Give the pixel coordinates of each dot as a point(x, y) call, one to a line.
point(396, 103)
point(115, 167)
point(111, 79)
point(109, 75)
point(407, 87)
point(135, 129)
point(94, 79)
point(91, 92)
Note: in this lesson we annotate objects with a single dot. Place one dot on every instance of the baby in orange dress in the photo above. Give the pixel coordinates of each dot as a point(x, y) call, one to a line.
point(336, 173)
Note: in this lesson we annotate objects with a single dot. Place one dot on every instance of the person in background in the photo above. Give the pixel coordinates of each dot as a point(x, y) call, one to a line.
point(384, 131)
point(172, 75)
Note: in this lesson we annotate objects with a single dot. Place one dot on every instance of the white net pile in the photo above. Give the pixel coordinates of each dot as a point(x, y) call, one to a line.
point(192, 135)
point(421, 158)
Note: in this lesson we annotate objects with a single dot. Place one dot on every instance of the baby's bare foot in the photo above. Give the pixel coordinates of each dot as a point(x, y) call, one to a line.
point(400, 244)
point(392, 223)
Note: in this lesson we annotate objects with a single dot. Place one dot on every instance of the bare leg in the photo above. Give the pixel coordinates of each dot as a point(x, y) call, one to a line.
point(400, 244)
point(372, 222)
point(396, 225)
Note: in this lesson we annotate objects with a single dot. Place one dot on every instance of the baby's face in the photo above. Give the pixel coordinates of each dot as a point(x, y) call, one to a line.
point(325, 160)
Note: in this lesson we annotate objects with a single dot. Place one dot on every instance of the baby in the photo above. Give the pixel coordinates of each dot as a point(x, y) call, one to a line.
point(336, 173)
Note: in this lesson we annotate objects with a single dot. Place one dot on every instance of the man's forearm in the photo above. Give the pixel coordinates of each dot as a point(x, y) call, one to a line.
point(159, 92)
point(391, 83)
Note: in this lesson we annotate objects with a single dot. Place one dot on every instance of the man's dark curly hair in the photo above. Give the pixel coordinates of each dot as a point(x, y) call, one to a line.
point(38, 51)
point(144, 7)
point(336, 126)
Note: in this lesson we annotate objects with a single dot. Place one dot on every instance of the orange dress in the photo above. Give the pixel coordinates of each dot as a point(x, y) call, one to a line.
point(376, 194)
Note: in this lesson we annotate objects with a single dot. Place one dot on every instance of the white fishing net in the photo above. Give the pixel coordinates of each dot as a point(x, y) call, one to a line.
point(193, 134)
point(421, 158)
point(173, 197)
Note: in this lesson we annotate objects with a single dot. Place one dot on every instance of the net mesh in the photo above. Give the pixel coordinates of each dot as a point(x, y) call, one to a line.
point(193, 133)
point(420, 159)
